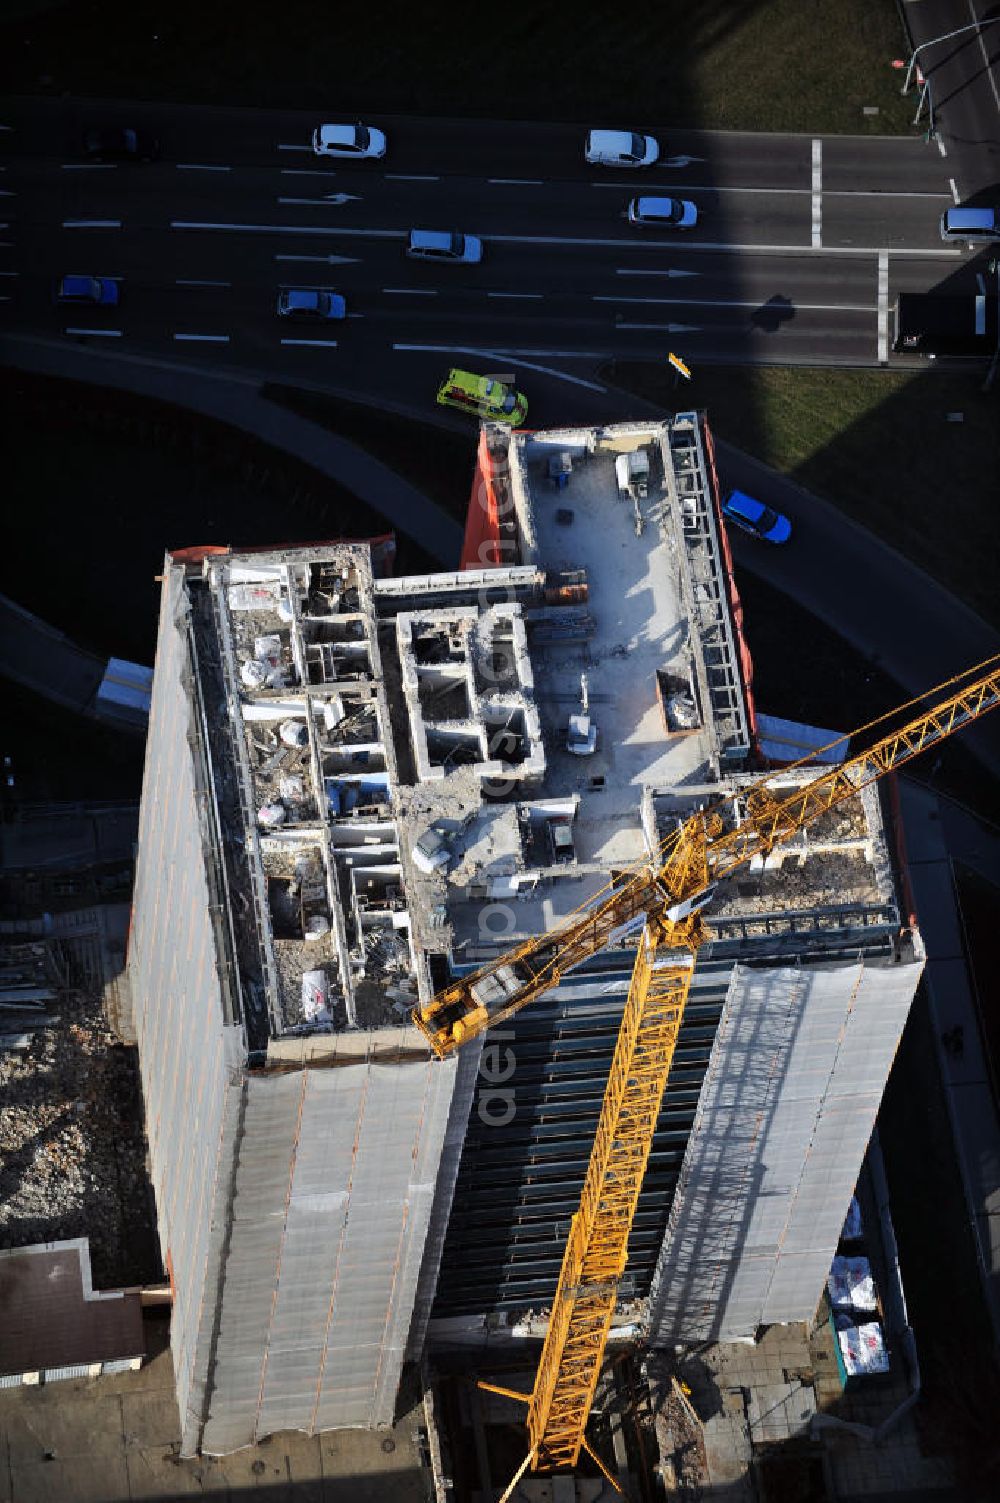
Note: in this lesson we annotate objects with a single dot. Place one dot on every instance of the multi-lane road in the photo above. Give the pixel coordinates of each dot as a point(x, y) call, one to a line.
point(800, 246)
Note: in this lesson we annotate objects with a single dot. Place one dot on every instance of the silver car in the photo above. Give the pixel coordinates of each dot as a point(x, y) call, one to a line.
point(348, 141)
point(444, 245)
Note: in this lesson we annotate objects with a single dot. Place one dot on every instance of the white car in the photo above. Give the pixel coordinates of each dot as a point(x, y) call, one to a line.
point(621, 148)
point(348, 141)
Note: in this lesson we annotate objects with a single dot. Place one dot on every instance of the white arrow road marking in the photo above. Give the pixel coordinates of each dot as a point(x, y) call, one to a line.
point(643, 271)
point(517, 356)
point(668, 328)
point(329, 198)
point(325, 260)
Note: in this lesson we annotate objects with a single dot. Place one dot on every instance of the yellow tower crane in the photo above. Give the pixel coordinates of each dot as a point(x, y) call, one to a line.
point(669, 889)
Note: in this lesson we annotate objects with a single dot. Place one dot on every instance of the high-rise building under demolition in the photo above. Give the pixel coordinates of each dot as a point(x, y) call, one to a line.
point(358, 785)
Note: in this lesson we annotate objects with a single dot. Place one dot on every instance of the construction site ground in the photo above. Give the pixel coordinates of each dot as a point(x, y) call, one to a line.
point(112, 1439)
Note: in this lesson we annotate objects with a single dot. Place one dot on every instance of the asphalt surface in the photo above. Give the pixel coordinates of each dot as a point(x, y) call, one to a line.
point(801, 245)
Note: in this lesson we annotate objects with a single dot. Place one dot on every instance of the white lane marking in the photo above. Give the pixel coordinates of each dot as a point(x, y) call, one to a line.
point(647, 271)
point(817, 193)
point(198, 282)
point(91, 224)
point(777, 192)
point(203, 338)
point(459, 349)
point(982, 48)
point(104, 333)
point(328, 344)
point(89, 167)
point(326, 260)
point(712, 302)
point(330, 199)
point(200, 167)
point(285, 229)
point(306, 172)
point(412, 291)
point(619, 245)
point(521, 295)
point(954, 189)
point(410, 177)
point(527, 182)
point(8, 193)
point(293, 146)
point(10, 273)
point(883, 307)
point(941, 146)
point(5, 298)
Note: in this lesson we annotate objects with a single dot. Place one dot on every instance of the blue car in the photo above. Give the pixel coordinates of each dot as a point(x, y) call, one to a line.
point(756, 518)
point(100, 292)
point(310, 303)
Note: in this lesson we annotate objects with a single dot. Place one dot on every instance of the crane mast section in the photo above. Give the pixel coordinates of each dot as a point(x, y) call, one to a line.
point(597, 1248)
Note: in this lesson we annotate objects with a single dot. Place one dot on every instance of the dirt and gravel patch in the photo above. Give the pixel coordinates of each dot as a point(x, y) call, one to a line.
point(72, 1151)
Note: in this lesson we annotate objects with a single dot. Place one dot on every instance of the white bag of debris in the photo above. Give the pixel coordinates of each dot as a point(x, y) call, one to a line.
point(254, 674)
point(270, 816)
point(851, 1285)
point(292, 788)
point(317, 924)
point(294, 733)
point(862, 1347)
point(268, 650)
point(314, 995)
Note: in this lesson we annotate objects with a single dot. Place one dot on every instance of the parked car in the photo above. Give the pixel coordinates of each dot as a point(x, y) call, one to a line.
point(970, 224)
point(664, 213)
point(483, 396)
point(348, 141)
point(121, 145)
point(621, 148)
point(310, 304)
point(444, 245)
point(99, 292)
point(756, 518)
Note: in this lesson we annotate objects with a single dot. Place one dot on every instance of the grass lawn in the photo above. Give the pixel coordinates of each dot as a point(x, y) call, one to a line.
point(878, 445)
point(736, 64)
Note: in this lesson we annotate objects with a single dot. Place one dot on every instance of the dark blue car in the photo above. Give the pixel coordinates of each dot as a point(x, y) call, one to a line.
point(756, 518)
point(99, 292)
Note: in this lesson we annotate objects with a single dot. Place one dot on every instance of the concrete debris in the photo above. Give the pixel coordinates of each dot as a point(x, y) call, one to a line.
point(72, 1153)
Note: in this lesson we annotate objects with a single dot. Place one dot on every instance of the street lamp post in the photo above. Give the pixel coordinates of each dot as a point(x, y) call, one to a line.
point(945, 37)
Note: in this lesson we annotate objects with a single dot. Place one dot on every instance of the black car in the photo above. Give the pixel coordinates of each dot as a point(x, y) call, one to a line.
point(125, 145)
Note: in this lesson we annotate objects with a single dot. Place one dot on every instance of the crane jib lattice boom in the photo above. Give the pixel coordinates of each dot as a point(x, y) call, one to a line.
point(698, 853)
point(670, 892)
